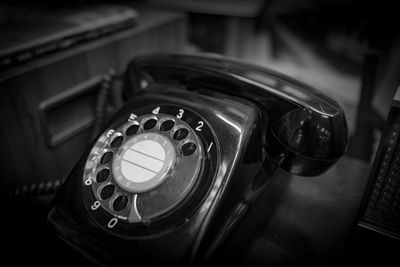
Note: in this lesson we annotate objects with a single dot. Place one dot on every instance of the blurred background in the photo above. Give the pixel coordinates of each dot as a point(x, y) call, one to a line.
point(61, 67)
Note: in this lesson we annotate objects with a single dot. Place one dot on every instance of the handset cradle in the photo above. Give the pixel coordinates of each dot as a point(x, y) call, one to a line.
point(307, 130)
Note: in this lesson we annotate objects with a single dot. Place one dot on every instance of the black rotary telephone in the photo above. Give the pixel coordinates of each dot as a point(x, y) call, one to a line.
point(181, 163)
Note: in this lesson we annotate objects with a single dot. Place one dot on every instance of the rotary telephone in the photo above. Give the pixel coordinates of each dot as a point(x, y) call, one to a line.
point(182, 161)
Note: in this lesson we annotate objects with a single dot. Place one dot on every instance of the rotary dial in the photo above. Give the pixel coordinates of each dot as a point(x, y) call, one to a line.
point(146, 167)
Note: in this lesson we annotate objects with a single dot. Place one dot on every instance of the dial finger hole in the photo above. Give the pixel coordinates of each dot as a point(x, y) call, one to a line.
point(131, 130)
point(120, 203)
point(181, 134)
point(106, 158)
point(149, 124)
point(117, 141)
point(167, 125)
point(107, 191)
point(102, 175)
point(188, 149)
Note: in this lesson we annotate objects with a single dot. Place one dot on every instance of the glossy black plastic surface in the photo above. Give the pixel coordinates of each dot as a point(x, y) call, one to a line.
point(254, 119)
point(237, 127)
point(308, 131)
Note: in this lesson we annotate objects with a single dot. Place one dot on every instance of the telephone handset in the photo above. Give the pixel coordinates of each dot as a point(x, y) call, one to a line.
point(195, 144)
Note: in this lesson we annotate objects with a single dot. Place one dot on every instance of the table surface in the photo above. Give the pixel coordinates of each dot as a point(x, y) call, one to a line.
point(314, 219)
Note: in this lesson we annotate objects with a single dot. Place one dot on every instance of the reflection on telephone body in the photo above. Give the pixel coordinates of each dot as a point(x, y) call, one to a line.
point(181, 163)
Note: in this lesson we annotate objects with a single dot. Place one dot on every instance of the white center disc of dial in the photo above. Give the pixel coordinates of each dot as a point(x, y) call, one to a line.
point(143, 162)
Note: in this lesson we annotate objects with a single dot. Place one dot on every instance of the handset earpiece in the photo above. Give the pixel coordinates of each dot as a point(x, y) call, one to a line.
point(305, 143)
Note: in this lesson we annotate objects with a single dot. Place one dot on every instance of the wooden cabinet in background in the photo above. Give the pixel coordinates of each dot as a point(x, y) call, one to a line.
point(46, 104)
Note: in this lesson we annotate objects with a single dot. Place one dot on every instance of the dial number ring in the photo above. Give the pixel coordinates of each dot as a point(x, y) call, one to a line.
point(135, 210)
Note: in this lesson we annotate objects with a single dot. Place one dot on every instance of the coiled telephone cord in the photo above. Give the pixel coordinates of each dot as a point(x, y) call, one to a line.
point(101, 112)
